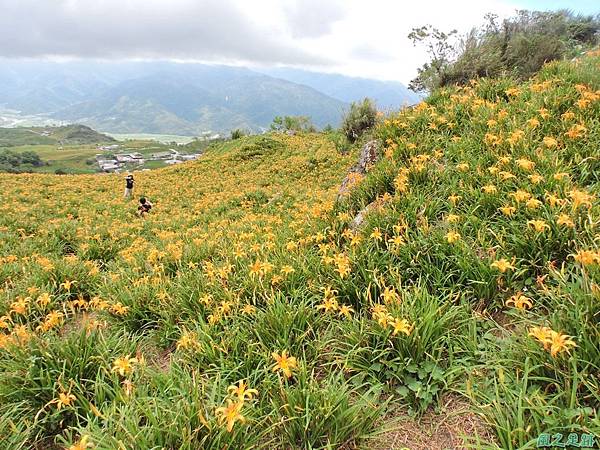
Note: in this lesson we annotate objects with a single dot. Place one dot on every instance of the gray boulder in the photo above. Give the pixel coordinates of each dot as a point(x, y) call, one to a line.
point(369, 155)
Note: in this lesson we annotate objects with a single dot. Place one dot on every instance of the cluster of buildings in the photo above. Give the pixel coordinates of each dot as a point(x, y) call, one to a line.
point(121, 161)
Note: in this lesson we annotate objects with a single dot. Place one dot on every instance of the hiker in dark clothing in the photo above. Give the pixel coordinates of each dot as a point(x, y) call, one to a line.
point(128, 186)
point(144, 207)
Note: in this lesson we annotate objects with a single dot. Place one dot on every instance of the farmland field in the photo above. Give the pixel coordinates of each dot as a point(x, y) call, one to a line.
point(248, 310)
point(80, 159)
point(70, 158)
point(162, 138)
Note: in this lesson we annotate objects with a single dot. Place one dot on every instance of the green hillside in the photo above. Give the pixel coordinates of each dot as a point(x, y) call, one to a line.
point(63, 135)
point(251, 309)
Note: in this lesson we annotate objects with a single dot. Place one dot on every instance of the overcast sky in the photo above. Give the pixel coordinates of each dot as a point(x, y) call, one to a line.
point(355, 37)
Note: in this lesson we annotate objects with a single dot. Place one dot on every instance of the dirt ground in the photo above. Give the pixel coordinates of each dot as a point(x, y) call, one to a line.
point(444, 430)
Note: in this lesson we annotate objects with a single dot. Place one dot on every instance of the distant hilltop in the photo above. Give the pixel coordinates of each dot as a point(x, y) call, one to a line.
point(62, 135)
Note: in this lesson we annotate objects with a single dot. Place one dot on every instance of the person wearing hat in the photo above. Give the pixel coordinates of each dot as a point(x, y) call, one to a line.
point(128, 186)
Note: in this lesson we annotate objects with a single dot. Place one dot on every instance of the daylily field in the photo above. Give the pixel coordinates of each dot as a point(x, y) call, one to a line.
point(246, 312)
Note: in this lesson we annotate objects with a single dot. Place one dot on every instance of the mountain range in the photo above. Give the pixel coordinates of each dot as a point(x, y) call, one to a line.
point(182, 98)
point(387, 94)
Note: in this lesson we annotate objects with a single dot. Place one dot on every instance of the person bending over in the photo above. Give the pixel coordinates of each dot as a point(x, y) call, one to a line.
point(144, 207)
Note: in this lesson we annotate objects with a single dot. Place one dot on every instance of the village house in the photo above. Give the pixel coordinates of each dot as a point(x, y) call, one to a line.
point(162, 155)
point(188, 157)
point(135, 157)
point(109, 166)
point(108, 148)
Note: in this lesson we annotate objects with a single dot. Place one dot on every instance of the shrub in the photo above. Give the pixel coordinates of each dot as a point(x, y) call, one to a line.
point(360, 118)
point(261, 146)
point(237, 134)
point(293, 123)
point(14, 162)
point(340, 142)
point(518, 46)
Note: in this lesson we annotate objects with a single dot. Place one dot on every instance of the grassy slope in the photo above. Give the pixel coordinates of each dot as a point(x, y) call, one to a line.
point(244, 195)
point(498, 172)
point(10, 137)
point(67, 135)
point(245, 255)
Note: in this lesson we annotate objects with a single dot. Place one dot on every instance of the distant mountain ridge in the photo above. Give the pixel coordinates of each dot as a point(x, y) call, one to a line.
point(174, 98)
point(387, 94)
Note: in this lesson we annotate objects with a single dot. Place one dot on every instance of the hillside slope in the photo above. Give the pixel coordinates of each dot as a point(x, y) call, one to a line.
point(64, 135)
point(488, 196)
point(244, 312)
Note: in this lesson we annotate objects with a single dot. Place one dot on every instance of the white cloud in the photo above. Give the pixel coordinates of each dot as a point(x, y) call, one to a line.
point(313, 18)
point(371, 38)
point(160, 29)
point(356, 37)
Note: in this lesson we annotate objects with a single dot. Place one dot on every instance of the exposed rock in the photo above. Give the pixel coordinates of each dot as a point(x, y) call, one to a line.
point(369, 155)
point(376, 205)
point(359, 219)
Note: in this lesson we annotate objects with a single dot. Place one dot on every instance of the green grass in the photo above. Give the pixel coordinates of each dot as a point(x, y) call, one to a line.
point(154, 164)
point(162, 138)
point(70, 158)
point(65, 135)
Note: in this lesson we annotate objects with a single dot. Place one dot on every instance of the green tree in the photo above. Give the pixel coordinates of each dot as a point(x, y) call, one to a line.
point(237, 134)
point(19, 162)
point(440, 49)
point(30, 157)
point(292, 123)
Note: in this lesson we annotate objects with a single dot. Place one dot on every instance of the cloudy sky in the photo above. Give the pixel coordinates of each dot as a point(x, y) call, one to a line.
point(355, 37)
